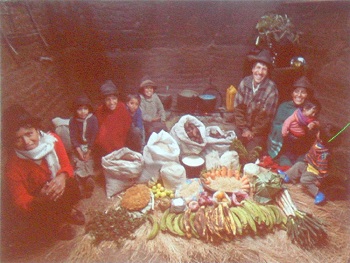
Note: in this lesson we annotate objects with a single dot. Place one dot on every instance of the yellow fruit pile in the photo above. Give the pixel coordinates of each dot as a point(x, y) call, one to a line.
point(159, 191)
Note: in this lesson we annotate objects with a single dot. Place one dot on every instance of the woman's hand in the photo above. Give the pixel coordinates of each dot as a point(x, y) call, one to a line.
point(55, 188)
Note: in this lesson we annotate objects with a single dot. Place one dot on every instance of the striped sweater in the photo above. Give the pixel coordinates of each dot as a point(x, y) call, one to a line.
point(318, 158)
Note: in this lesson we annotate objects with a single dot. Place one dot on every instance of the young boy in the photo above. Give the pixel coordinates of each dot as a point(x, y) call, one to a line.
point(314, 168)
point(136, 136)
point(83, 128)
point(153, 113)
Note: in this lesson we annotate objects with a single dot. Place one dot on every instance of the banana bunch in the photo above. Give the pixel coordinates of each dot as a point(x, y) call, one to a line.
point(221, 222)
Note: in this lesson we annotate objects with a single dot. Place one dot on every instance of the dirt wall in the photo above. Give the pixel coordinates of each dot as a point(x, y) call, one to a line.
point(182, 45)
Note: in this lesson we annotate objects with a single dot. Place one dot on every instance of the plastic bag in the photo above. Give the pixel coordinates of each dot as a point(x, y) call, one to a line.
point(187, 145)
point(121, 169)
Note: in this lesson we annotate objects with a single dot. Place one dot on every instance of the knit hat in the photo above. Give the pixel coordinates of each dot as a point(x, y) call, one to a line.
point(14, 118)
point(108, 88)
point(263, 56)
point(82, 100)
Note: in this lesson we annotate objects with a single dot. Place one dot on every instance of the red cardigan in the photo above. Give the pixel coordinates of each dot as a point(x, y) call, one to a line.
point(114, 127)
point(25, 178)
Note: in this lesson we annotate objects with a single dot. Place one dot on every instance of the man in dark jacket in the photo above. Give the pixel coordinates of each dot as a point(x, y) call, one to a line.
point(255, 103)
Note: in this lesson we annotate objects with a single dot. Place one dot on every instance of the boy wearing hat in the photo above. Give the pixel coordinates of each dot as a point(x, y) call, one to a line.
point(114, 121)
point(153, 113)
point(255, 102)
point(83, 129)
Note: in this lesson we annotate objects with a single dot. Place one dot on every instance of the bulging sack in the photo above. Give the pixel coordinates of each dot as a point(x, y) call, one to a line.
point(173, 175)
point(218, 140)
point(189, 142)
point(121, 169)
point(161, 148)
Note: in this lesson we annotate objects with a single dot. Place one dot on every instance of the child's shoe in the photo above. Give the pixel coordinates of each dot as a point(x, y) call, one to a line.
point(319, 198)
point(285, 177)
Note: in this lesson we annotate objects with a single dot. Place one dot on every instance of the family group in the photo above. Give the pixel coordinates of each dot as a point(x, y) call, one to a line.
point(45, 186)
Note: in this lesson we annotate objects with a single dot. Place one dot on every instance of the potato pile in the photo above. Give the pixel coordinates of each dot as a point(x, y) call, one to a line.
point(193, 132)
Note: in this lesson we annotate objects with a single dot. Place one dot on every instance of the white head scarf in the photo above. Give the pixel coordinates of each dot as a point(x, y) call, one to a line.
point(45, 149)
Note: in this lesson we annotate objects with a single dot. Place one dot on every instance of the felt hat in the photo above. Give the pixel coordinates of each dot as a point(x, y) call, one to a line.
point(302, 82)
point(263, 56)
point(108, 88)
point(147, 82)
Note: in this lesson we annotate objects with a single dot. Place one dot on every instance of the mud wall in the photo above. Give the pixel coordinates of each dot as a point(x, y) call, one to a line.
point(180, 44)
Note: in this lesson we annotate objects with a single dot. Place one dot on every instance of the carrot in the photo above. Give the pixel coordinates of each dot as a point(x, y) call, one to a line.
point(237, 175)
point(245, 186)
point(223, 171)
point(244, 177)
point(229, 172)
point(206, 174)
point(245, 181)
point(217, 172)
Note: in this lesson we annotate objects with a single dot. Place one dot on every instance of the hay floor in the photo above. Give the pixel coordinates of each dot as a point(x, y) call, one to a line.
point(273, 247)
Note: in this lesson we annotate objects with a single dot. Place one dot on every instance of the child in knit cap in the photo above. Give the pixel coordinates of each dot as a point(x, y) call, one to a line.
point(83, 128)
point(136, 136)
point(153, 113)
point(114, 121)
point(314, 168)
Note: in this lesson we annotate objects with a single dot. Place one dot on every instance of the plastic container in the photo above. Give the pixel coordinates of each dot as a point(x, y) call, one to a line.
point(230, 97)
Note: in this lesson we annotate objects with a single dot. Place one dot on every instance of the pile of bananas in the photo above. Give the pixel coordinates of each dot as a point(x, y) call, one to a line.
point(221, 222)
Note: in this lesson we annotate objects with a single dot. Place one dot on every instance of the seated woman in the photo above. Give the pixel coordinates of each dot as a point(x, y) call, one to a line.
point(284, 155)
point(39, 176)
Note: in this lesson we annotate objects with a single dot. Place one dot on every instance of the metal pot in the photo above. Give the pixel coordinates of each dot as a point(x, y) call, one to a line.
point(207, 103)
point(187, 100)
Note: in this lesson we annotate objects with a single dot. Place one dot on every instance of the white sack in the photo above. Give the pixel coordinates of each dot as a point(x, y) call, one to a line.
point(161, 148)
point(173, 175)
point(187, 146)
point(221, 144)
point(120, 173)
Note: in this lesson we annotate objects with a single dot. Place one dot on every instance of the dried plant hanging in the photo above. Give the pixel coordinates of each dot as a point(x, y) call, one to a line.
point(274, 27)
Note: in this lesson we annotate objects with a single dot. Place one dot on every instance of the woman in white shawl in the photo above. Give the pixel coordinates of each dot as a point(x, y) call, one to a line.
point(39, 176)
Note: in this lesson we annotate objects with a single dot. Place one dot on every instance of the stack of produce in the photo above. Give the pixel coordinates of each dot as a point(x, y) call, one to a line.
point(221, 222)
point(224, 178)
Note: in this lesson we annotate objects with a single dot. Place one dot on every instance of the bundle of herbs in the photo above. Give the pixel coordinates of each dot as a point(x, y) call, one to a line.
point(303, 228)
point(115, 224)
